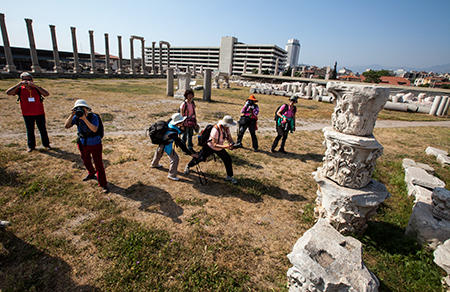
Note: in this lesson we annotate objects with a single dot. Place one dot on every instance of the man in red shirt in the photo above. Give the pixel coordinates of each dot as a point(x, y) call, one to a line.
point(31, 103)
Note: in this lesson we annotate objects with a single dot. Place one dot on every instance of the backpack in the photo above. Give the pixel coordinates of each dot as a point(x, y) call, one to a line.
point(185, 107)
point(284, 110)
point(203, 138)
point(100, 129)
point(157, 132)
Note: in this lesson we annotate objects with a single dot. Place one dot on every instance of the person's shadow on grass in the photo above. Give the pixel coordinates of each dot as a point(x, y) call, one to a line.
point(153, 199)
point(27, 268)
point(69, 156)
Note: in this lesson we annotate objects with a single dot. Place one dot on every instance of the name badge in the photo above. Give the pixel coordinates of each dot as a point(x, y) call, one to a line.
point(31, 99)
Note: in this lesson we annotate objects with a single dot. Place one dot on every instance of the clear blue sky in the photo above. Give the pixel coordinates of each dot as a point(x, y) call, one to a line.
point(392, 33)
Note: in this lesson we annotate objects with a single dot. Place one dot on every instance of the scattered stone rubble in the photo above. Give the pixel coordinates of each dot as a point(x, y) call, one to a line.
point(347, 196)
point(325, 260)
point(430, 217)
point(441, 155)
point(442, 259)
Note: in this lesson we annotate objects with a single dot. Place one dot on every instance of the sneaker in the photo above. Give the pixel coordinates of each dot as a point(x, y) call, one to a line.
point(231, 180)
point(186, 169)
point(156, 166)
point(173, 178)
point(105, 189)
point(89, 177)
point(273, 150)
point(49, 147)
point(30, 149)
point(3, 224)
point(282, 151)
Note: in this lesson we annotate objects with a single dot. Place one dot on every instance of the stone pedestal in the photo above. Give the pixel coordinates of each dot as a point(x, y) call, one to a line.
point(184, 80)
point(347, 209)
point(350, 160)
point(324, 260)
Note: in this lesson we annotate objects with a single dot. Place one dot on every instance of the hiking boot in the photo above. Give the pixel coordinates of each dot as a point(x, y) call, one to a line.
point(89, 177)
point(173, 178)
point(186, 169)
point(105, 189)
point(156, 166)
point(231, 180)
point(272, 150)
point(282, 151)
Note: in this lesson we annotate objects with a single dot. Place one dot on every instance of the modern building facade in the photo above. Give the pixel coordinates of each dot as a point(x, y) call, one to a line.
point(231, 56)
point(293, 52)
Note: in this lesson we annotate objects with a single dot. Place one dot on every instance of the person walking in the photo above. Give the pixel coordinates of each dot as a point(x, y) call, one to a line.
point(285, 123)
point(31, 100)
point(90, 133)
point(220, 134)
point(175, 128)
point(249, 120)
point(187, 110)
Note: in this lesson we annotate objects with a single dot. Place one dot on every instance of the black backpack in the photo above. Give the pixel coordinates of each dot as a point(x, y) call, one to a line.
point(203, 138)
point(100, 130)
point(157, 132)
point(284, 110)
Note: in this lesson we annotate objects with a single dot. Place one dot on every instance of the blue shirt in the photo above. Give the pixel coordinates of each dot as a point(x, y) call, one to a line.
point(83, 128)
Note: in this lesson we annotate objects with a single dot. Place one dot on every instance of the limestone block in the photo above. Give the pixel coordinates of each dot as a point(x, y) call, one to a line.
point(348, 209)
point(325, 260)
point(350, 160)
point(428, 228)
point(423, 194)
point(435, 151)
point(443, 159)
point(356, 107)
point(440, 206)
point(418, 176)
point(442, 258)
point(407, 162)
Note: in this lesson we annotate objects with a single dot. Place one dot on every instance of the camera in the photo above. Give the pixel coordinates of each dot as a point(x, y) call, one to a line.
point(79, 111)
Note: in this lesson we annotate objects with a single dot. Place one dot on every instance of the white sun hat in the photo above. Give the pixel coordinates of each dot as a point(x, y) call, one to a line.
point(81, 102)
point(227, 121)
point(177, 118)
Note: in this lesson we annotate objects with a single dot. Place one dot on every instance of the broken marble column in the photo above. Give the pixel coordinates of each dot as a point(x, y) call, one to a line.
point(35, 68)
point(57, 68)
point(10, 67)
point(107, 64)
point(76, 64)
point(356, 107)
point(184, 80)
point(442, 259)
point(325, 260)
point(91, 42)
point(435, 105)
point(120, 69)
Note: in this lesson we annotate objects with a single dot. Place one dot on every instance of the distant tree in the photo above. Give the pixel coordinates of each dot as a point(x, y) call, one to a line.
point(334, 72)
point(373, 76)
point(266, 72)
point(445, 86)
point(298, 74)
point(320, 77)
point(288, 72)
point(424, 85)
point(254, 71)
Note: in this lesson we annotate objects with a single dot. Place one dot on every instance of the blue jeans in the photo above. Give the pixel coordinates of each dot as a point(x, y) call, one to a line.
point(40, 122)
point(187, 137)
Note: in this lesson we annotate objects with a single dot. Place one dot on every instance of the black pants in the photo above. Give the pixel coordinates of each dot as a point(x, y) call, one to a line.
point(207, 151)
point(40, 122)
point(252, 128)
point(281, 133)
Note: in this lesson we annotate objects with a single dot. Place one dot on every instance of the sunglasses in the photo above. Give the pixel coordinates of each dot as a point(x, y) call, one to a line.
point(27, 79)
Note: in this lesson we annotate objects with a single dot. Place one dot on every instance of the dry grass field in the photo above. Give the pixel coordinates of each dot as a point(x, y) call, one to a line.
point(153, 234)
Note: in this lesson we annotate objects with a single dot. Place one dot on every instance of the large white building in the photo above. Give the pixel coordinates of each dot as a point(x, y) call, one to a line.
point(293, 52)
point(230, 55)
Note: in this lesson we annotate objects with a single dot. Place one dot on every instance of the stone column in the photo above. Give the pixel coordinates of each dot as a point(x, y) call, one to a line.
point(76, 64)
point(168, 56)
point(207, 85)
point(107, 64)
point(160, 59)
point(91, 42)
point(143, 56)
point(260, 66)
point(230, 69)
point(35, 68)
point(276, 67)
point(153, 58)
point(169, 81)
point(120, 69)
point(435, 106)
point(441, 107)
point(194, 70)
point(133, 71)
point(9, 59)
point(57, 68)
point(244, 70)
point(201, 70)
point(292, 71)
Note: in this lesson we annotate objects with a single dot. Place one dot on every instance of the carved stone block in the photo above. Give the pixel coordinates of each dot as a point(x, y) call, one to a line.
point(350, 160)
point(441, 203)
point(356, 107)
point(348, 209)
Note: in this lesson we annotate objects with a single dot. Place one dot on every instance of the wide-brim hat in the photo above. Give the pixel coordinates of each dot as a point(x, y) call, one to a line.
point(177, 118)
point(294, 99)
point(227, 121)
point(252, 97)
point(81, 102)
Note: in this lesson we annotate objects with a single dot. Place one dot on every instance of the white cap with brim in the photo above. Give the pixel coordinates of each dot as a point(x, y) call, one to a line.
point(82, 103)
point(227, 121)
point(177, 118)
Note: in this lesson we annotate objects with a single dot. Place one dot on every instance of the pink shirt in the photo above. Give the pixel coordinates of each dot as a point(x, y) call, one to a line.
point(215, 134)
point(190, 109)
point(290, 112)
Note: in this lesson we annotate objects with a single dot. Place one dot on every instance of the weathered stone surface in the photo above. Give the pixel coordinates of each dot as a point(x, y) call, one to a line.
point(423, 194)
point(350, 160)
point(442, 258)
point(435, 151)
point(324, 260)
point(347, 209)
point(429, 229)
point(407, 162)
point(443, 159)
point(356, 107)
point(441, 203)
point(418, 176)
